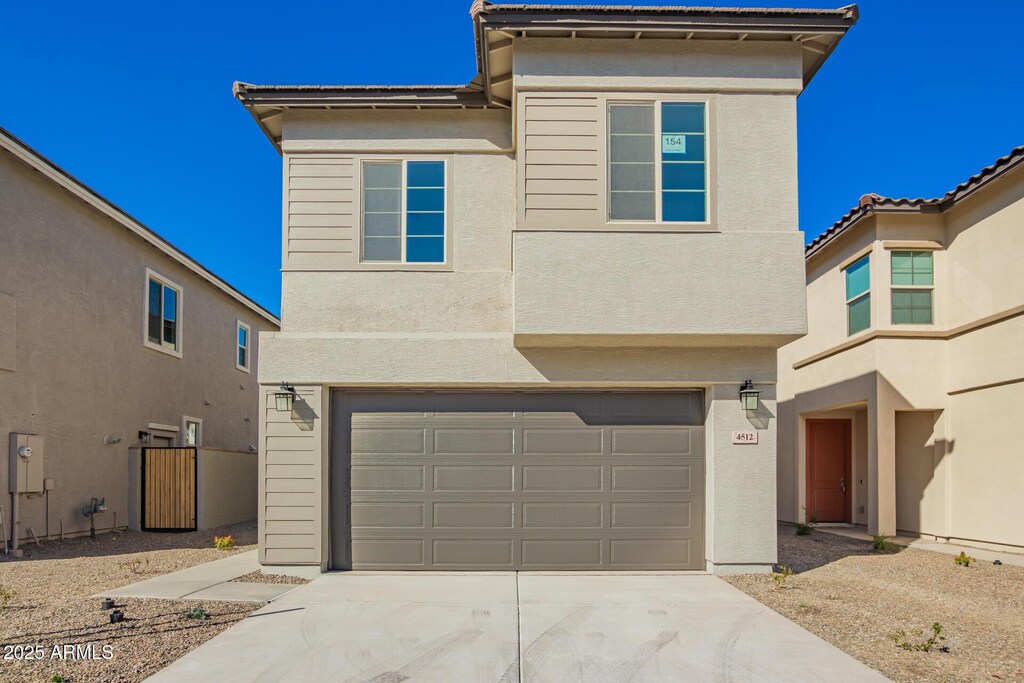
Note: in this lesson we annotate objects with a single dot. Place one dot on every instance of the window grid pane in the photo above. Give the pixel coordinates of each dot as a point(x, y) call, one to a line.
point(858, 278)
point(911, 307)
point(912, 268)
point(404, 206)
point(631, 162)
point(683, 167)
point(858, 314)
point(155, 317)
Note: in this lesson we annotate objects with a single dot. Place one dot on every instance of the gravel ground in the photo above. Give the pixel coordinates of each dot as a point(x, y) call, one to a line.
point(259, 577)
point(51, 607)
point(856, 598)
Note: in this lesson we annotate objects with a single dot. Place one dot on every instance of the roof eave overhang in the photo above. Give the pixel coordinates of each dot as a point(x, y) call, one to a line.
point(818, 33)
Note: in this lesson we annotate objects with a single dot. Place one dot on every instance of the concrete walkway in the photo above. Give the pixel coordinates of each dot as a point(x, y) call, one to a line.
point(210, 581)
point(505, 628)
point(981, 554)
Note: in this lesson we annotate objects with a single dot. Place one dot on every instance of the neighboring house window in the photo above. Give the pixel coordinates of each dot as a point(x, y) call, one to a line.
point(242, 346)
point(858, 295)
point(404, 213)
point(163, 314)
point(193, 432)
point(912, 281)
point(657, 162)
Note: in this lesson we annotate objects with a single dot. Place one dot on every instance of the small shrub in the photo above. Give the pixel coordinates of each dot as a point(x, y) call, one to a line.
point(882, 543)
point(223, 542)
point(781, 575)
point(58, 679)
point(137, 565)
point(196, 613)
point(963, 559)
point(6, 595)
point(927, 645)
point(803, 529)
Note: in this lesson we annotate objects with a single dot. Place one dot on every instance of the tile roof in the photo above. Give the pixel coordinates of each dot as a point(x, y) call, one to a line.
point(871, 203)
point(663, 9)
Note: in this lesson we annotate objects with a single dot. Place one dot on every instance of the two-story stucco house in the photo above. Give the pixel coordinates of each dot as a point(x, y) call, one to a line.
point(518, 314)
point(900, 409)
point(112, 340)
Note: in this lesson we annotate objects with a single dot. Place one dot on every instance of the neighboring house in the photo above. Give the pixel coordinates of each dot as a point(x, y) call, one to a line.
point(518, 313)
point(112, 339)
point(900, 408)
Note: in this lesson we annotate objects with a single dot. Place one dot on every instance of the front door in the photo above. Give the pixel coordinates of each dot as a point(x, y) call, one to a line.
point(828, 470)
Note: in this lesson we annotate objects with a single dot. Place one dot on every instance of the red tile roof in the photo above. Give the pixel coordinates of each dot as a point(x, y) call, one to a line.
point(871, 203)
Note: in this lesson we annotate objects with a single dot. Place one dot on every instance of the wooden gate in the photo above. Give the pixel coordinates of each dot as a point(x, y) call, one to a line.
point(169, 489)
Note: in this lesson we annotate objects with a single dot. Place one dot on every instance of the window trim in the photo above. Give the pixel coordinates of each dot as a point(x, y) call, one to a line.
point(893, 288)
point(185, 419)
point(179, 327)
point(239, 325)
point(359, 210)
point(656, 102)
point(857, 297)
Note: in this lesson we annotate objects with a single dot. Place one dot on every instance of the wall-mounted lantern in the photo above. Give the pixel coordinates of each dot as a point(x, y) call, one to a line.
point(144, 437)
point(285, 397)
point(748, 396)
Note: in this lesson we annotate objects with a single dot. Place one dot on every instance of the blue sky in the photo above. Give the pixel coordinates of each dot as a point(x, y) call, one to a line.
point(135, 100)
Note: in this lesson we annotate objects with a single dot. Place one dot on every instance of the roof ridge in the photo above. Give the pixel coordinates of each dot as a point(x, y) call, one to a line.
point(868, 203)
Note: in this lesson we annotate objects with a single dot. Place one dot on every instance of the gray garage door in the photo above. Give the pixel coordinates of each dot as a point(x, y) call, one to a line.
point(575, 481)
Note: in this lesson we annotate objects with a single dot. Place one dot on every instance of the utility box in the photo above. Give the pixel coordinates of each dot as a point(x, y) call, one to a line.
point(26, 463)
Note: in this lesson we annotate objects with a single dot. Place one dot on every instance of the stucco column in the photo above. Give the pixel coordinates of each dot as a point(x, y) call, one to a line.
point(881, 467)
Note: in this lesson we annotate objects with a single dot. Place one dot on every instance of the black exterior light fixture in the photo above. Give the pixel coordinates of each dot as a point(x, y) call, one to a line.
point(748, 396)
point(285, 397)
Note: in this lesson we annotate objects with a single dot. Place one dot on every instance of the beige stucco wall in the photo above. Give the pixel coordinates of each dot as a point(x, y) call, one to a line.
point(226, 487)
point(956, 366)
point(82, 373)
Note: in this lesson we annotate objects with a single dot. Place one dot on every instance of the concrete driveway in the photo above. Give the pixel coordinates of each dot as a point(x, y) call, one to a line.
point(506, 627)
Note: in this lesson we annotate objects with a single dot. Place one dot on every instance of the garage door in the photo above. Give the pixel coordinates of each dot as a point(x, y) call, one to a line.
point(567, 481)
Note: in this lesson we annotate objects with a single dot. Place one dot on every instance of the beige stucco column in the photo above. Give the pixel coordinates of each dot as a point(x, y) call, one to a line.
point(881, 466)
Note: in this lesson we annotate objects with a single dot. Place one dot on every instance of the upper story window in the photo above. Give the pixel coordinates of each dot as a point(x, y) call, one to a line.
point(404, 212)
point(657, 162)
point(912, 282)
point(242, 346)
point(163, 314)
point(858, 295)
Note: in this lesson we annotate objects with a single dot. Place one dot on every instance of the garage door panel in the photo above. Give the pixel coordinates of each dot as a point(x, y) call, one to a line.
point(644, 478)
point(391, 515)
point(496, 553)
point(561, 515)
point(650, 441)
point(456, 441)
point(471, 515)
point(547, 481)
point(472, 478)
point(575, 553)
point(568, 478)
point(650, 553)
point(647, 515)
point(390, 552)
point(563, 441)
point(382, 440)
point(387, 478)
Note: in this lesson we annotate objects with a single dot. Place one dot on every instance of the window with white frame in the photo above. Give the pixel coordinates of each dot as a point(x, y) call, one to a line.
point(242, 335)
point(163, 314)
point(403, 211)
point(657, 162)
point(193, 433)
point(912, 281)
point(858, 295)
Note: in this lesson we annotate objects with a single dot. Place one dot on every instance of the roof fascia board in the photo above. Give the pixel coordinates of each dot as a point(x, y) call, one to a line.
point(65, 180)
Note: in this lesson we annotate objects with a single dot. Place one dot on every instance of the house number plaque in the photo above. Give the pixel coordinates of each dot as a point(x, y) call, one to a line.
point(744, 437)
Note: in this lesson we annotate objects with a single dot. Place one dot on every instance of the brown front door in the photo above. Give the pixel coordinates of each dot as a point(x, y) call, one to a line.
point(828, 470)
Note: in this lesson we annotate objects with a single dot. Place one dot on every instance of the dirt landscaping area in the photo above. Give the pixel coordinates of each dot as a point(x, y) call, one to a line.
point(858, 598)
point(49, 626)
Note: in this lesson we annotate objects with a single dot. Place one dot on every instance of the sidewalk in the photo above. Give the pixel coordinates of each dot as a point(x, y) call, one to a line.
point(980, 554)
point(210, 581)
